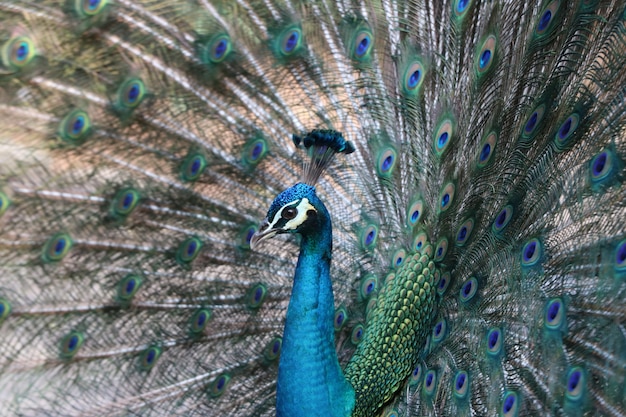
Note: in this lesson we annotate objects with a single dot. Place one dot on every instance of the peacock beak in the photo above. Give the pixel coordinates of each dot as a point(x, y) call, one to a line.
point(264, 232)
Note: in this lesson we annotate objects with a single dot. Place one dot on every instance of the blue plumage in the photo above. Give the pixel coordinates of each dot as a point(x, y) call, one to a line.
point(308, 345)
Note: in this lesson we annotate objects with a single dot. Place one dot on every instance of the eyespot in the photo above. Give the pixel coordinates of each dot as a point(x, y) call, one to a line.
point(192, 167)
point(56, 247)
point(464, 232)
point(5, 309)
point(461, 384)
point(502, 219)
point(4, 203)
point(130, 94)
point(363, 45)
point(75, 127)
point(89, 8)
point(124, 202)
point(219, 48)
point(256, 295)
point(219, 385)
point(566, 131)
point(510, 404)
point(386, 162)
point(531, 253)
point(398, 258)
point(254, 151)
point(576, 381)
point(603, 167)
point(533, 122)
point(420, 241)
point(443, 136)
point(368, 237)
point(188, 250)
point(486, 55)
point(18, 52)
point(495, 341)
point(468, 290)
point(216, 49)
point(357, 334)
point(413, 78)
point(430, 382)
point(128, 287)
point(199, 321)
point(341, 315)
point(414, 212)
point(441, 250)
point(446, 197)
point(70, 344)
point(555, 314)
point(461, 6)
point(369, 285)
point(487, 148)
point(291, 41)
point(439, 331)
point(149, 357)
point(546, 18)
point(273, 349)
point(417, 374)
point(246, 235)
point(443, 283)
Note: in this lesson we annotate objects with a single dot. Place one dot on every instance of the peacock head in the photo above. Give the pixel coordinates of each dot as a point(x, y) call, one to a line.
point(298, 209)
point(293, 211)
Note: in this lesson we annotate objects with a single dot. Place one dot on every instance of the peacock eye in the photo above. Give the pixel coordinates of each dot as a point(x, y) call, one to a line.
point(289, 213)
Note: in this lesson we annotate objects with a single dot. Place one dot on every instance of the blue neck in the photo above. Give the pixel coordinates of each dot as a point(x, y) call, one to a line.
point(310, 380)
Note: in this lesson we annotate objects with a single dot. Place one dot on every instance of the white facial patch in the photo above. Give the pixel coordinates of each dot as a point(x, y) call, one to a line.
point(303, 207)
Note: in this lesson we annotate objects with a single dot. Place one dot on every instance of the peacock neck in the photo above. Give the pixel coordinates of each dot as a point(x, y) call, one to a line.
point(310, 380)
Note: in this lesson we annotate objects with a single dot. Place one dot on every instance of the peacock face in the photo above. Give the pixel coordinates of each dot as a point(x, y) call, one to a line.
point(290, 212)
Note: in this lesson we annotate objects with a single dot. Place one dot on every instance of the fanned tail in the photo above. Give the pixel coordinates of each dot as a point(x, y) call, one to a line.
point(141, 142)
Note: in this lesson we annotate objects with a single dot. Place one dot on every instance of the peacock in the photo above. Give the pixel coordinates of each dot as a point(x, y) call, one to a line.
point(312, 208)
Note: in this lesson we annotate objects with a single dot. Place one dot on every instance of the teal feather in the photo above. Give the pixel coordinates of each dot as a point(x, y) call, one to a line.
point(477, 264)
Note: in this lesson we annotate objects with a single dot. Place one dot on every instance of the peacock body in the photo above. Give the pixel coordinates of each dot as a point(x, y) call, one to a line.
point(476, 224)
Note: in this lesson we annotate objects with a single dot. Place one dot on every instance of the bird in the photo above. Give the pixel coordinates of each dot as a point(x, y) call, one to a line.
point(300, 208)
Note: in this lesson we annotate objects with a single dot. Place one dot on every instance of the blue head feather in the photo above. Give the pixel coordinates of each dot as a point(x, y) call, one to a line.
point(294, 193)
